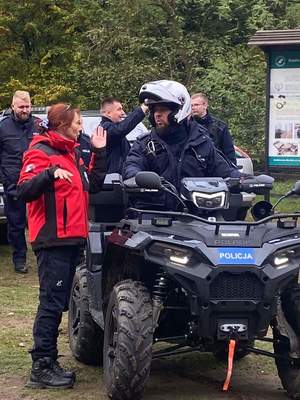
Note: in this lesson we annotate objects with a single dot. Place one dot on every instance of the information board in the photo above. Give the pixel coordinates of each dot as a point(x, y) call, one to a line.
point(284, 109)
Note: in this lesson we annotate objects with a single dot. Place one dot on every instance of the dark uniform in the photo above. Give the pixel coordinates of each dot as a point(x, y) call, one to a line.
point(184, 152)
point(117, 144)
point(85, 147)
point(219, 133)
point(15, 137)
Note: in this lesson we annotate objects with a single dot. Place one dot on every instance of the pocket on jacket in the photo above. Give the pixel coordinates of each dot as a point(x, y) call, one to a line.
point(200, 159)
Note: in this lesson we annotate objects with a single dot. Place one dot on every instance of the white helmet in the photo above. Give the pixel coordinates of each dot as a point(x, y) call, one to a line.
point(171, 93)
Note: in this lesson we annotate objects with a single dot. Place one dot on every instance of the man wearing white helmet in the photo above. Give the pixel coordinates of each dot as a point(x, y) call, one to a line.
point(176, 147)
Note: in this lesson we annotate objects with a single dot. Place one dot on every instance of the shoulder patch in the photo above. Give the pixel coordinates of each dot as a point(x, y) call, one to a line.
point(30, 167)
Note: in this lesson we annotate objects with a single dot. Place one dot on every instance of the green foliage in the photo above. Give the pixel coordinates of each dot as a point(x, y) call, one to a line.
point(40, 38)
point(83, 50)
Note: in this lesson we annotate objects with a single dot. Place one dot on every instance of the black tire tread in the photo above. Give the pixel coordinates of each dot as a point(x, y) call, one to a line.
point(126, 379)
point(88, 345)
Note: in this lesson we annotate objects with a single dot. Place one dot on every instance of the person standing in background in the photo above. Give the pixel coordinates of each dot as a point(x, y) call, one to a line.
point(16, 132)
point(117, 126)
point(217, 129)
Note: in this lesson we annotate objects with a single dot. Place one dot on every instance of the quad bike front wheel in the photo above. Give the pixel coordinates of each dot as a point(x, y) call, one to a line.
point(128, 337)
point(288, 371)
point(85, 336)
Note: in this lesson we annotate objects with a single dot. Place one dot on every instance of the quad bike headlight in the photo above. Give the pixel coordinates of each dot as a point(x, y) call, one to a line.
point(282, 258)
point(174, 254)
point(209, 201)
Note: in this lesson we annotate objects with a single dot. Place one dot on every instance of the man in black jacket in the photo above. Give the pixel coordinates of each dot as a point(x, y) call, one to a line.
point(117, 126)
point(217, 129)
point(177, 147)
point(16, 132)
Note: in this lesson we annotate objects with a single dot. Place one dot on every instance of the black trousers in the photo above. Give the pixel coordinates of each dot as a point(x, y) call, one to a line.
point(15, 211)
point(56, 269)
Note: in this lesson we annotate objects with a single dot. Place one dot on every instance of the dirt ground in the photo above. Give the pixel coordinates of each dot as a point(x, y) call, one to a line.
point(189, 377)
point(165, 384)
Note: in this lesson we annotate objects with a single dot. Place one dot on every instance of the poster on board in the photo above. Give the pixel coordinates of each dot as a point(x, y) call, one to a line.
point(284, 111)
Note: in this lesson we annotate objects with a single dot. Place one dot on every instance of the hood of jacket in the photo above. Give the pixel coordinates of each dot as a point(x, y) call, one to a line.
point(56, 141)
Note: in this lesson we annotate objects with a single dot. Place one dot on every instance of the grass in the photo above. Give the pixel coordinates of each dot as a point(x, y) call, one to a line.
point(191, 377)
point(290, 204)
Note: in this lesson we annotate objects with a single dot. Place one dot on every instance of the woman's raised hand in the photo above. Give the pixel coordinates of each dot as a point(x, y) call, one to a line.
point(98, 138)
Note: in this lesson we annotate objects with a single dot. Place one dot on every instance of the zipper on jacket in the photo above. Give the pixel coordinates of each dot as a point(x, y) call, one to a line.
point(65, 215)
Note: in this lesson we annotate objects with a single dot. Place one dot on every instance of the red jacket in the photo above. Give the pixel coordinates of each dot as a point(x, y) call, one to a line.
point(58, 209)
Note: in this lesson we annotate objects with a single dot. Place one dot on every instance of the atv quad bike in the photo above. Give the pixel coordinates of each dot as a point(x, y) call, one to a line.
point(189, 279)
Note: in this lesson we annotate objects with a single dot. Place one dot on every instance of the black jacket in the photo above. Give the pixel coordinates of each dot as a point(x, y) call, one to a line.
point(197, 157)
point(220, 135)
point(15, 137)
point(85, 147)
point(118, 146)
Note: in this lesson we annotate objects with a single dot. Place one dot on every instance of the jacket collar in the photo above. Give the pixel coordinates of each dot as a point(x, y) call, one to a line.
point(24, 124)
point(203, 120)
point(196, 134)
point(106, 119)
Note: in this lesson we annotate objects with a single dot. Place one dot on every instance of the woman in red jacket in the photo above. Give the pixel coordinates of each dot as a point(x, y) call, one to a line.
point(55, 183)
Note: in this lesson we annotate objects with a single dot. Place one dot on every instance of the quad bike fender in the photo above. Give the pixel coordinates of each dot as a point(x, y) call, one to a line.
point(285, 329)
point(94, 251)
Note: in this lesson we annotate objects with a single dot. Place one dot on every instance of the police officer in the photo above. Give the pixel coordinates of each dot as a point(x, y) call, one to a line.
point(177, 147)
point(16, 132)
point(117, 126)
point(217, 129)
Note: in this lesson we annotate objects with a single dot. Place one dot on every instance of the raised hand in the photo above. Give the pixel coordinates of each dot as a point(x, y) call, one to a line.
point(98, 138)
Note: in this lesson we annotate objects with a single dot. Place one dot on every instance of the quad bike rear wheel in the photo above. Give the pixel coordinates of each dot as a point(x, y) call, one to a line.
point(85, 336)
point(128, 337)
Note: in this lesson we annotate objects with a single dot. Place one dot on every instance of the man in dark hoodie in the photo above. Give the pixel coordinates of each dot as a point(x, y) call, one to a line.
point(117, 126)
point(16, 132)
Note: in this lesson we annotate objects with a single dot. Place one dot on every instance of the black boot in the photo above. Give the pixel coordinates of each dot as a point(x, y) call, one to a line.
point(43, 376)
point(62, 372)
point(21, 268)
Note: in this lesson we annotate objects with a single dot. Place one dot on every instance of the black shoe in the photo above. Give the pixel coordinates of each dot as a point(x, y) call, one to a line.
point(43, 376)
point(62, 372)
point(21, 268)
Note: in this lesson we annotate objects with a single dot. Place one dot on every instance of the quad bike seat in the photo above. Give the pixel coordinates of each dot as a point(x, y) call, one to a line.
point(109, 205)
